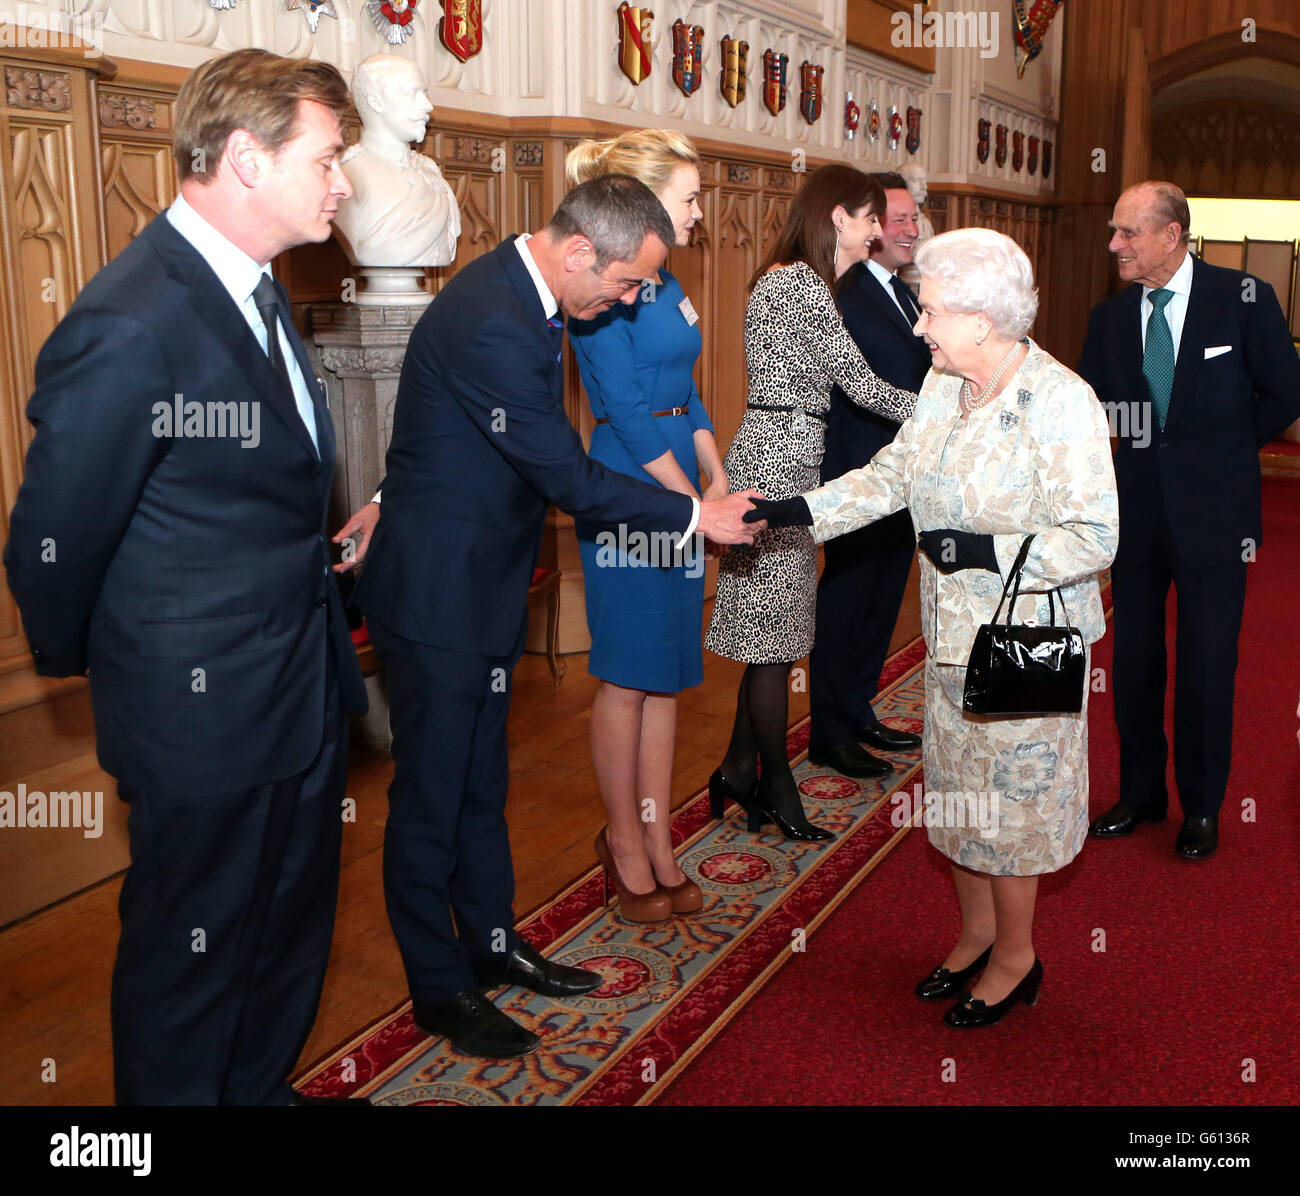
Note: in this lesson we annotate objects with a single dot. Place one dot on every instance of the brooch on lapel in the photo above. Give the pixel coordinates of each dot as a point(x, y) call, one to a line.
point(1024, 398)
point(1008, 420)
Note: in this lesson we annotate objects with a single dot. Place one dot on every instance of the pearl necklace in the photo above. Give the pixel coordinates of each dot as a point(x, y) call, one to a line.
point(973, 404)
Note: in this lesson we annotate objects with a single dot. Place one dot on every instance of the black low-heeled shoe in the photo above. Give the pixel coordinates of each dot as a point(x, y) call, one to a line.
point(721, 789)
point(795, 826)
point(942, 983)
point(972, 1012)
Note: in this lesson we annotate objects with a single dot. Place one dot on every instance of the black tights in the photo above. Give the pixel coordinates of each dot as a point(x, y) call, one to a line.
point(762, 717)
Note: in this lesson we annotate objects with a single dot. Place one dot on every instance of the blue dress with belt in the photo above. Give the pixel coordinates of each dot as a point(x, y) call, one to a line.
point(644, 607)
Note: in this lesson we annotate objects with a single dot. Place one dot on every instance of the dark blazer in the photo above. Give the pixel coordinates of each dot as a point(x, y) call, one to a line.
point(480, 445)
point(1203, 468)
point(148, 556)
point(854, 435)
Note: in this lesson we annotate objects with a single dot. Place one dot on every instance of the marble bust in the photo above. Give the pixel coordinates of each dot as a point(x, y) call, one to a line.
point(403, 213)
point(918, 187)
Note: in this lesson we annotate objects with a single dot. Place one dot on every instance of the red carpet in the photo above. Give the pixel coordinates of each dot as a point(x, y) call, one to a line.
point(1190, 1002)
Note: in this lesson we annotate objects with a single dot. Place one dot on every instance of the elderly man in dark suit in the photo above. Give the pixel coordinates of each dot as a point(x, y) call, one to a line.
point(170, 536)
point(480, 445)
point(1196, 367)
point(862, 583)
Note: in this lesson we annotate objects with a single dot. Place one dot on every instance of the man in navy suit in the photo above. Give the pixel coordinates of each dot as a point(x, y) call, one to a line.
point(865, 574)
point(170, 536)
point(481, 444)
point(1197, 370)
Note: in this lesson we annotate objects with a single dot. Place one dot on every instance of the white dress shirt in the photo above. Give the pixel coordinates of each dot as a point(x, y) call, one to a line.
point(883, 276)
point(239, 274)
point(1176, 309)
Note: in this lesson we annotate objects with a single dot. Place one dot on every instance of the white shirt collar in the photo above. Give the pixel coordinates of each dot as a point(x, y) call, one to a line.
point(880, 272)
point(543, 291)
point(238, 272)
point(1180, 283)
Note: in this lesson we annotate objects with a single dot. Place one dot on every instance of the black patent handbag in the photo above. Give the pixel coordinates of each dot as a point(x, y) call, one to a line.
point(1025, 670)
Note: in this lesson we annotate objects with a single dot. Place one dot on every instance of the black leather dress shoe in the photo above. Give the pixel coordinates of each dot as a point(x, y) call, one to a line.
point(849, 760)
point(887, 739)
point(475, 1026)
point(526, 968)
point(1121, 820)
point(1198, 839)
point(943, 983)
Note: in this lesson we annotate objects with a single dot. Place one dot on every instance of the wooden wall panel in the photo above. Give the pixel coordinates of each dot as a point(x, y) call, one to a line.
point(1234, 149)
point(1172, 27)
point(53, 243)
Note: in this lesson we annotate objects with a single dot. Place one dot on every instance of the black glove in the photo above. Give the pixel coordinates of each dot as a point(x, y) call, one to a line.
point(951, 550)
point(780, 512)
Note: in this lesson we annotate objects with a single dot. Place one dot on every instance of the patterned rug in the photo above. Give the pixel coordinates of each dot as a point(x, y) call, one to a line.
point(669, 987)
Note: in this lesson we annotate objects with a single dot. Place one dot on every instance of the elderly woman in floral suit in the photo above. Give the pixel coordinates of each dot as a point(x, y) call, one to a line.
point(1005, 441)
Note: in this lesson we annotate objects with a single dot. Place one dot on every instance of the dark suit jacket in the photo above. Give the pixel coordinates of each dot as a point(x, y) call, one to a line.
point(1204, 465)
point(480, 445)
point(854, 435)
point(146, 556)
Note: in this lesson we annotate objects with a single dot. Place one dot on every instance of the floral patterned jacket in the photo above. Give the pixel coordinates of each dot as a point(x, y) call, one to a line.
point(1036, 459)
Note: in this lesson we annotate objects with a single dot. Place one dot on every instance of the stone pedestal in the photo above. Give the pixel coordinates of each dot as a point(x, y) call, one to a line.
point(360, 350)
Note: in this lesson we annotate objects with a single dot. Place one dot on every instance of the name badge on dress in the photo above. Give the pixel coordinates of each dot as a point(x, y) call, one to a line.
point(687, 308)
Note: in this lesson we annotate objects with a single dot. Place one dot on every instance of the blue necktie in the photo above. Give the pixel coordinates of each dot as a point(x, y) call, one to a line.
point(1158, 355)
point(556, 325)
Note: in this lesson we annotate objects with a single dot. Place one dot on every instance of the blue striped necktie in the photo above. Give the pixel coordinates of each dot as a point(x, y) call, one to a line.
point(1158, 355)
point(556, 324)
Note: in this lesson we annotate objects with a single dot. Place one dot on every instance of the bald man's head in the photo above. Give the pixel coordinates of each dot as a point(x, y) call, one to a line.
point(1150, 231)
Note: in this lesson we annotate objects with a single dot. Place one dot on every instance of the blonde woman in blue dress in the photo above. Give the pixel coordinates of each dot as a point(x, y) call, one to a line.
point(645, 616)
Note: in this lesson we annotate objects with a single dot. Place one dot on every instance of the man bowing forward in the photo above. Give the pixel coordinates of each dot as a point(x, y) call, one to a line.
point(480, 445)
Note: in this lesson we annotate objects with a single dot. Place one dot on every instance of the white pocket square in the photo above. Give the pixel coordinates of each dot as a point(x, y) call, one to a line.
point(1217, 351)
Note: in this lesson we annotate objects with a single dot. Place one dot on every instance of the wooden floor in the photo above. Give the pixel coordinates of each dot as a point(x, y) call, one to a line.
point(55, 965)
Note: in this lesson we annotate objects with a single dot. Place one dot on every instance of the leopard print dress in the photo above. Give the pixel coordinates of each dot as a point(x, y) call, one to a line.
point(796, 347)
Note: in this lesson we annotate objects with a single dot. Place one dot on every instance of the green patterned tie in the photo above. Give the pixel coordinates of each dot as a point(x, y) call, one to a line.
point(1158, 355)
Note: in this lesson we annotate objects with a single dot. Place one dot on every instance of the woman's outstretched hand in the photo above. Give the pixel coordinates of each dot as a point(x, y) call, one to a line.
point(780, 512)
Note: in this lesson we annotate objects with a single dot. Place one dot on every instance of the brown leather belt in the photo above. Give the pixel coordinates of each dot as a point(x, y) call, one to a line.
point(656, 414)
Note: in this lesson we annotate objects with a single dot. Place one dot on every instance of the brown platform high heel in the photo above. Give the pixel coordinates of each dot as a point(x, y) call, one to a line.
point(686, 898)
point(654, 906)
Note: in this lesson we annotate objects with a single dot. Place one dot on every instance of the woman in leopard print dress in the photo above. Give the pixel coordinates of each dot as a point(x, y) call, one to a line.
point(796, 347)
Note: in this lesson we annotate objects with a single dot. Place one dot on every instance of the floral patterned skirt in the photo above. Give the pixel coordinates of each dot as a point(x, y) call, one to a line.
point(1005, 796)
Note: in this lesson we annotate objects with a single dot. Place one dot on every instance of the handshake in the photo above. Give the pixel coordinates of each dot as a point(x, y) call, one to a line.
point(731, 519)
point(738, 517)
point(727, 520)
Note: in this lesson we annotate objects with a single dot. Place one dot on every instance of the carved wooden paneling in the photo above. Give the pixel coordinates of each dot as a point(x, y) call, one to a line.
point(737, 252)
point(135, 159)
point(50, 222)
point(1239, 149)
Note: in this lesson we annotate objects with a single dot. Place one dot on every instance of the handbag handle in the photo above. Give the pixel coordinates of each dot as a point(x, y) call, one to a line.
point(1013, 577)
point(1013, 584)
